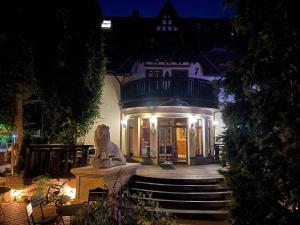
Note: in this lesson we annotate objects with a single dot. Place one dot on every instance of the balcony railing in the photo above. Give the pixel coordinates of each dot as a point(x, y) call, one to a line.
point(156, 91)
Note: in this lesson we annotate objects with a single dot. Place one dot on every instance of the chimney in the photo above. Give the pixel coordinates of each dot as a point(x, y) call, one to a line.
point(135, 13)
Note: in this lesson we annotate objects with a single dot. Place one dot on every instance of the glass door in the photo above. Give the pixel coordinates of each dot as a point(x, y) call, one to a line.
point(165, 144)
point(181, 144)
point(172, 140)
point(199, 139)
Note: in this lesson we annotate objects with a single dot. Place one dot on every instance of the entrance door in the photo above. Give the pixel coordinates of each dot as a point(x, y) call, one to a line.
point(181, 144)
point(166, 144)
point(172, 140)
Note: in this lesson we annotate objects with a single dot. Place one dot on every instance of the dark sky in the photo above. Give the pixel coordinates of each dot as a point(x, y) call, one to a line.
point(150, 8)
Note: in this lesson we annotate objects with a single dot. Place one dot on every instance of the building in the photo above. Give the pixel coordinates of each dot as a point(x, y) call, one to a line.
point(158, 97)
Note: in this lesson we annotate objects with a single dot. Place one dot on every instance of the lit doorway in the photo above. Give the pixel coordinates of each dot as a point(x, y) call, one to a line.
point(172, 140)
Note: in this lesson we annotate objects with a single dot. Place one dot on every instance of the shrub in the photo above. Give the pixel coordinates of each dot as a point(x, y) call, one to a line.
point(42, 182)
point(125, 209)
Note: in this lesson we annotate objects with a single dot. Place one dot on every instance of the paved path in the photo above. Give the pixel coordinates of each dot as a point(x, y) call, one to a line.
point(209, 171)
point(15, 214)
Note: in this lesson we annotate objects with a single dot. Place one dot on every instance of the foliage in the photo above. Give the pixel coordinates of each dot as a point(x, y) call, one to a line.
point(122, 210)
point(42, 183)
point(20, 182)
point(57, 59)
point(15, 73)
point(4, 138)
point(262, 139)
point(70, 66)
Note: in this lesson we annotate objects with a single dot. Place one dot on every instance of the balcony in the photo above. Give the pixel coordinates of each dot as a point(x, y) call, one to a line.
point(168, 91)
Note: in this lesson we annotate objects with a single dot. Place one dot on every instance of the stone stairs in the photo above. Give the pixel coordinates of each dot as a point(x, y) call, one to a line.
point(202, 199)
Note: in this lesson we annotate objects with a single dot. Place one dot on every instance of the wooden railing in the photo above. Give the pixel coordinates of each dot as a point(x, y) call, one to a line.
point(54, 159)
point(188, 88)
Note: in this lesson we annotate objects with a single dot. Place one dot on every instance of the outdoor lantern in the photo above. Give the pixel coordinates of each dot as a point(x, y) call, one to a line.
point(15, 193)
point(69, 191)
point(192, 123)
point(152, 121)
point(215, 123)
point(124, 122)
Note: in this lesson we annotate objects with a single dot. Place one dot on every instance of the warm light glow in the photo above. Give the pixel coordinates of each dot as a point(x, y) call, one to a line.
point(106, 24)
point(215, 123)
point(71, 192)
point(124, 122)
point(15, 193)
point(192, 121)
point(152, 120)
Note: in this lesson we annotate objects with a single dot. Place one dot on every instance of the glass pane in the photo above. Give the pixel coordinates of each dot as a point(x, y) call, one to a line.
point(165, 122)
point(133, 133)
point(180, 122)
point(162, 140)
point(181, 137)
point(145, 137)
point(198, 141)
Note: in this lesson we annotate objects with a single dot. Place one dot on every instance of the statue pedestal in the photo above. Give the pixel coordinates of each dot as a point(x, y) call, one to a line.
point(90, 178)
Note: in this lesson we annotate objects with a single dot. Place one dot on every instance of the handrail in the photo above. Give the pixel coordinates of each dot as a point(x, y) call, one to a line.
point(167, 87)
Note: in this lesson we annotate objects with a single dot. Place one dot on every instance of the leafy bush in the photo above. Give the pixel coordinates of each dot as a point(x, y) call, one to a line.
point(262, 139)
point(42, 182)
point(125, 209)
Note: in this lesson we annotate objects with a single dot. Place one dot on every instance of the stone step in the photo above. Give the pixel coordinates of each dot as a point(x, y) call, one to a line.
point(201, 199)
point(183, 195)
point(176, 187)
point(176, 181)
point(188, 204)
point(197, 214)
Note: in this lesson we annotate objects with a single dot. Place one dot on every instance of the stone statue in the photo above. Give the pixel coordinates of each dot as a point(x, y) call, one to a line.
point(107, 154)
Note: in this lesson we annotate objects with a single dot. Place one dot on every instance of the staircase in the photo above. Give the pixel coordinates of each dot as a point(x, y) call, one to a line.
point(201, 199)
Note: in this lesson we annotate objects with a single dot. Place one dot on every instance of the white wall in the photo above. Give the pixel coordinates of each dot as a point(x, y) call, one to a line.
point(109, 111)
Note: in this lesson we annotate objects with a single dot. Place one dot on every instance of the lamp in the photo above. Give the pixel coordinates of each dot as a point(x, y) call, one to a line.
point(69, 191)
point(124, 122)
point(192, 122)
point(152, 121)
point(15, 193)
point(215, 123)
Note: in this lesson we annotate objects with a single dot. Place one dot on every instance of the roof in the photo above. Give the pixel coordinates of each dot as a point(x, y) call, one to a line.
point(169, 38)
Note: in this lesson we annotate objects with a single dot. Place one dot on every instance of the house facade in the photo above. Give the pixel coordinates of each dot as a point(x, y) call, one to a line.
point(159, 97)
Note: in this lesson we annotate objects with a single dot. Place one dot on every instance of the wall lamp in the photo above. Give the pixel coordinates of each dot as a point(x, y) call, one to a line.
point(192, 122)
point(215, 123)
point(152, 121)
point(124, 122)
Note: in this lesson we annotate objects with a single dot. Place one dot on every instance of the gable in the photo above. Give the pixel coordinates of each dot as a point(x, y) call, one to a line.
point(166, 24)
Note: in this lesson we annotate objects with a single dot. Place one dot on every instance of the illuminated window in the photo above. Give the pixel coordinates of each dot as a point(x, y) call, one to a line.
point(145, 137)
point(106, 24)
point(166, 24)
point(150, 73)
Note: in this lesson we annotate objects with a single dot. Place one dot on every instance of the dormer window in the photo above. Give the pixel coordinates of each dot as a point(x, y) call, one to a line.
point(166, 24)
point(106, 24)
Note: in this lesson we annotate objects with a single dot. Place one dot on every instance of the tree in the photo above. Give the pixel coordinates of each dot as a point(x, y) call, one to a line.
point(16, 72)
point(262, 139)
point(52, 51)
point(69, 65)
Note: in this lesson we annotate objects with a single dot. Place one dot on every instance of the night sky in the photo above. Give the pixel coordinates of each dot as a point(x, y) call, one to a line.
point(150, 8)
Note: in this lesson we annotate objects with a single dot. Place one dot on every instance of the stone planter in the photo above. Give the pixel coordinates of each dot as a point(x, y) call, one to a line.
point(114, 178)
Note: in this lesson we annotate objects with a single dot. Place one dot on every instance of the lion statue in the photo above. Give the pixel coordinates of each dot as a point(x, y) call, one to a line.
point(107, 154)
